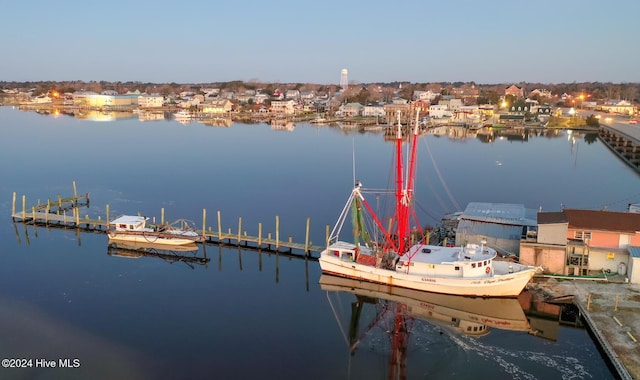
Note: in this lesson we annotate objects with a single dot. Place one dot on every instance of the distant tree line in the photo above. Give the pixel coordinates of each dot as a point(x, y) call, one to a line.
point(356, 92)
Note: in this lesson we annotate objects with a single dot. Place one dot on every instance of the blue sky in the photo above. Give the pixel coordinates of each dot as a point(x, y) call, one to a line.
point(195, 41)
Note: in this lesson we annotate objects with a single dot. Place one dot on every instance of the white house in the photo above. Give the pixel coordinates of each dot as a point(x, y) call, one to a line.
point(286, 107)
point(439, 111)
point(292, 94)
point(150, 101)
point(425, 95)
point(350, 109)
point(373, 110)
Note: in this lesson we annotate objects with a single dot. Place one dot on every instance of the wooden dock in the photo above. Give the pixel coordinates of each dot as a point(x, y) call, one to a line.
point(65, 213)
point(624, 141)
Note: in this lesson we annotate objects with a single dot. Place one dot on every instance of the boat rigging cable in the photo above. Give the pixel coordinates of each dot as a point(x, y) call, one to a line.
point(444, 184)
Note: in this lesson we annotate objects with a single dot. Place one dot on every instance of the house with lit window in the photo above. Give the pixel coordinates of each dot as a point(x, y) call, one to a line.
point(584, 243)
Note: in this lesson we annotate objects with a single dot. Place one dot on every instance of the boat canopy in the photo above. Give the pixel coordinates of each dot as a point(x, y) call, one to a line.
point(129, 219)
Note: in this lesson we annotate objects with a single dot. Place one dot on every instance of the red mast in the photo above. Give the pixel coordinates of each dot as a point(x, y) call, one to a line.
point(404, 191)
point(401, 209)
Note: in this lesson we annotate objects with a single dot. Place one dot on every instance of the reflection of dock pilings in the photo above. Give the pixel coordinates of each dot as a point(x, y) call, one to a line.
point(169, 255)
point(65, 213)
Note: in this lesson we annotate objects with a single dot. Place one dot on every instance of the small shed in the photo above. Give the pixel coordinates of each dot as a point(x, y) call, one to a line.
point(503, 225)
point(633, 267)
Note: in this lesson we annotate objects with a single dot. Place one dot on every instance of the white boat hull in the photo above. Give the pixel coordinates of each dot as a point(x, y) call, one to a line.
point(497, 285)
point(146, 238)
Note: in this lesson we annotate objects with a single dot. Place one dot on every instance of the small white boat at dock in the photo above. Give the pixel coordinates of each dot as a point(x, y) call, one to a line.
point(134, 229)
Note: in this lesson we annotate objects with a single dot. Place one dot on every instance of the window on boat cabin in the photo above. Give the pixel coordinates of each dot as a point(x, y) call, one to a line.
point(426, 250)
point(457, 268)
point(473, 265)
point(479, 264)
point(123, 226)
point(485, 262)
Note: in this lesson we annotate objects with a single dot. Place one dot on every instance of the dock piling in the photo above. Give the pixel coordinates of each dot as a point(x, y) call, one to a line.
point(277, 232)
point(55, 214)
point(204, 221)
point(13, 206)
point(306, 237)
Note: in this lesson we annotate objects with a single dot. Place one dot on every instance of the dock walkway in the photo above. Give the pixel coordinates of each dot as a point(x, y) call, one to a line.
point(65, 213)
point(610, 310)
point(624, 141)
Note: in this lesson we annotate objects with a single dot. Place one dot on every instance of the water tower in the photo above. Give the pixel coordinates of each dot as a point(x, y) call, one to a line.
point(344, 80)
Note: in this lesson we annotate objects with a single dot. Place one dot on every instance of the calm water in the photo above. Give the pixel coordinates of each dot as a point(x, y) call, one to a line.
point(247, 314)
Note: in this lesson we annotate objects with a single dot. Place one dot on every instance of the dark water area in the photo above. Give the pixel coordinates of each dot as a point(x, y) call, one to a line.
point(247, 314)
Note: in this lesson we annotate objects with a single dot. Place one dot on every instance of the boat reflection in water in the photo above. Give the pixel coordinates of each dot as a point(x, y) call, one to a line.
point(468, 315)
point(187, 254)
point(397, 313)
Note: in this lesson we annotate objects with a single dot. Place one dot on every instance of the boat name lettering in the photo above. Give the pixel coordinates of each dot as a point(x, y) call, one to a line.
point(427, 305)
point(495, 322)
point(427, 279)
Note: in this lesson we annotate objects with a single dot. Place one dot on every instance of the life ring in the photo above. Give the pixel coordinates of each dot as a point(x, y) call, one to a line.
point(488, 270)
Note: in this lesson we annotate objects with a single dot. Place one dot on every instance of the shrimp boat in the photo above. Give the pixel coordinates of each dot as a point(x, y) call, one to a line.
point(134, 229)
point(399, 254)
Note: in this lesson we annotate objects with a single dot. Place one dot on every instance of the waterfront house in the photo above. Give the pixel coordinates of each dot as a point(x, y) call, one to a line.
point(487, 110)
point(584, 242)
point(421, 105)
point(150, 101)
point(286, 107)
point(350, 110)
point(391, 110)
point(454, 104)
point(373, 110)
point(216, 106)
point(544, 112)
point(439, 111)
